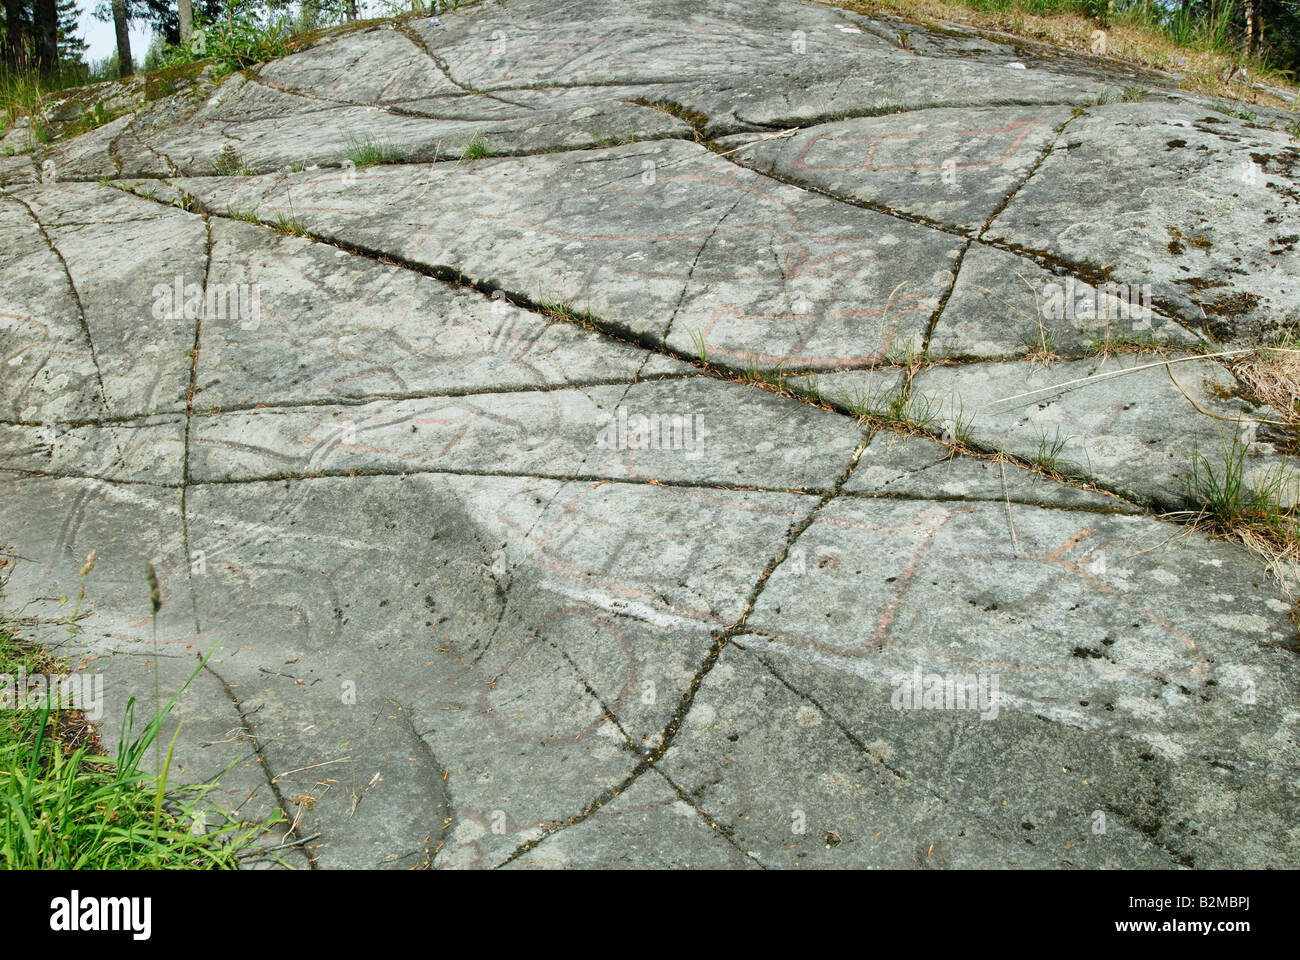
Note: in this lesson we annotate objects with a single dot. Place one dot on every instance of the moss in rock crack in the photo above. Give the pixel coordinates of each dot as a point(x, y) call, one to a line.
point(163, 83)
point(695, 118)
point(1085, 270)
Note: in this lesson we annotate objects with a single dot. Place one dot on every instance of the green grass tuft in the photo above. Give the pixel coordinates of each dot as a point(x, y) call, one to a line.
point(701, 348)
point(63, 806)
point(290, 226)
point(1222, 495)
point(476, 149)
point(1247, 115)
point(1048, 455)
point(367, 152)
point(231, 164)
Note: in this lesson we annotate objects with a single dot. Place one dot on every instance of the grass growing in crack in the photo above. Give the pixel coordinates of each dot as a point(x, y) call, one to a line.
point(476, 149)
point(774, 380)
point(809, 388)
point(919, 411)
point(908, 356)
point(96, 116)
point(368, 152)
point(603, 141)
point(916, 413)
point(289, 225)
point(1225, 498)
point(1042, 346)
point(561, 309)
point(697, 340)
point(1260, 512)
point(555, 302)
point(64, 805)
point(868, 403)
point(1048, 455)
point(805, 388)
point(1121, 342)
point(1231, 111)
point(1126, 95)
point(230, 164)
point(40, 130)
point(247, 216)
point(955, 429)
point(919, 414)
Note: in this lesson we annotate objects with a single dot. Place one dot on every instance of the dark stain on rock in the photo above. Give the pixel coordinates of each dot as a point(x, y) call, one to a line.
point(1232, 305)
point(1178, 241)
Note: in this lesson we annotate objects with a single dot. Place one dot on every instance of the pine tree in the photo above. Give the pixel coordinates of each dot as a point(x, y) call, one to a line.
point(71, 46)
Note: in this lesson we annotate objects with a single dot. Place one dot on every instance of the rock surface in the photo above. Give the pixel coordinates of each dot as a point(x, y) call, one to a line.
point(627, 495)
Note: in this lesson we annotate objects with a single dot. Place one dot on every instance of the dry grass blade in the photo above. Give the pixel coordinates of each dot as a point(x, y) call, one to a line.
point(1210, 413)
point(1273, 375)
point(776, 136)
point(1120, 373)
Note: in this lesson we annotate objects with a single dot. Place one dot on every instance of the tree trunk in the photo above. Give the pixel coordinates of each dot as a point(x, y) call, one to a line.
point(351, 7)
point(1256, 15)
point(124, 66)
point(185, 9)
point(45, 23)
point(13, 46)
